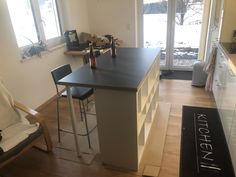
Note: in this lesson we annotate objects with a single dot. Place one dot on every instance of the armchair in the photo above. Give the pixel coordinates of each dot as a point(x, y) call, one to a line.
point(19, 133)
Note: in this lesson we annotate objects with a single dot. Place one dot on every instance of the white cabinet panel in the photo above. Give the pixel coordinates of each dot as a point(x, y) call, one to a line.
point(228, 103)
point(232, 131)
point(224, 90)
point(219, 80)
point(232, 142)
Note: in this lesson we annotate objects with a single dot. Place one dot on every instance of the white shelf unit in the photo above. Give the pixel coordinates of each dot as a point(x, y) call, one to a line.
point(147, 97)
point(124, 125)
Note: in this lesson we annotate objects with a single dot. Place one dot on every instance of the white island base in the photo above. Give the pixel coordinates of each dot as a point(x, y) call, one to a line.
point(151, 160)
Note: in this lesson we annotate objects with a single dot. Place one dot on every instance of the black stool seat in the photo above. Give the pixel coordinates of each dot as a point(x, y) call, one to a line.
point(80, 93)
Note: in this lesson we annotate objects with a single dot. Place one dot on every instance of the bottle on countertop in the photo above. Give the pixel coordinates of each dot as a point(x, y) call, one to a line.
point(113, 48)
point(0, 135)
point(92, 58)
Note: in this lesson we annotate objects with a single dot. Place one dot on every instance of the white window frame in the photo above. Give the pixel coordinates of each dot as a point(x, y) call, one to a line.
point(39, 26)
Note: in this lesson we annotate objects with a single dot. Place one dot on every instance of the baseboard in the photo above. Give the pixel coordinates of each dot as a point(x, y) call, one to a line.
point(42, 106)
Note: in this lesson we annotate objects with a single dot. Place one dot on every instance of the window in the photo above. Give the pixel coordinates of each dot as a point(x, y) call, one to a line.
point(34, 21)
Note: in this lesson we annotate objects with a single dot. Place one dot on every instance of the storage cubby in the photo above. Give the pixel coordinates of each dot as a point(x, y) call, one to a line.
point(141, 137)
point(147, 101)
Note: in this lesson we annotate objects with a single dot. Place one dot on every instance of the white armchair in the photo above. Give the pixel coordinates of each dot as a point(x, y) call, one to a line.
point(19, 133)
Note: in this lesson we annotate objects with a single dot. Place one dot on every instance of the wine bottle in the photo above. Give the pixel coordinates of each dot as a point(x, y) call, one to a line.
point(92, 58)
point(113, 48)
point(0, 135)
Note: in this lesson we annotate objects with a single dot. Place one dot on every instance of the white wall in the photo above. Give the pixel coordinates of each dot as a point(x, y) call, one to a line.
point(30, 82)
point(116, 17)
point(75, 15)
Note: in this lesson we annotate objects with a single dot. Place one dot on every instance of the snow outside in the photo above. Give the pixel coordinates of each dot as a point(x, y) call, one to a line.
point(187, 36)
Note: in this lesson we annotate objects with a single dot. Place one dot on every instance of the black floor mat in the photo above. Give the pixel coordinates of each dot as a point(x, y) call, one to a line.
point(179, 75)
point(204, 151)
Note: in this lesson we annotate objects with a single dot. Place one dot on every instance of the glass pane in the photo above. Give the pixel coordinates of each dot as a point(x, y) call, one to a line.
point(49, 17)
point(22, 21)
point(187, 32)
point(155, 25)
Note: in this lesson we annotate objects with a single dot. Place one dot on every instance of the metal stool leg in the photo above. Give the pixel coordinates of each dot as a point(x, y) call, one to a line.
point(80, 107)
point(86, 124)
point(87, 103)
point(58, 121)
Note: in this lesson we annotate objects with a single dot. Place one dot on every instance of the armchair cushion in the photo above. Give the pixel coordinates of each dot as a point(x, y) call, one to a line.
point(16, 133)
point(19, 147)
point(15, 128)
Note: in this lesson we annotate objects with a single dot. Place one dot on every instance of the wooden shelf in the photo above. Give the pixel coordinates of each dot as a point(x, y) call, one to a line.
point(83, 52)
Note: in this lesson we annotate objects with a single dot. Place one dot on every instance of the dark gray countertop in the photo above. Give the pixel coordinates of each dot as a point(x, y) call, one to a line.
point(229, 47)
point(126, 71)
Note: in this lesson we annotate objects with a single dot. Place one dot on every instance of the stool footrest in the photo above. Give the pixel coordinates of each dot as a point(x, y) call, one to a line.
point(80, 134)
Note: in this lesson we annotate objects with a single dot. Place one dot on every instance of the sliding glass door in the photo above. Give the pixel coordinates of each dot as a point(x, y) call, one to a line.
point(175, 27)
point(155, 25)
point(188, 25)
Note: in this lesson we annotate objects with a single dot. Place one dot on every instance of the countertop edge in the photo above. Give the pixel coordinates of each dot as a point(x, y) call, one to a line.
point(231, 57)
point(100, 87)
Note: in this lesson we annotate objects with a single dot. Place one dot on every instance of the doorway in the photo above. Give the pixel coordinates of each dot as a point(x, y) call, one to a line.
point(175, 27)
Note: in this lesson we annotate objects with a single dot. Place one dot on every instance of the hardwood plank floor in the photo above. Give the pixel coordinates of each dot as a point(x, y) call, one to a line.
point(35, 163)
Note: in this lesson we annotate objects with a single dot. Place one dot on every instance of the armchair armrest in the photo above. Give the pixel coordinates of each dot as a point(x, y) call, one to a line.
point(25, 109)
point(30, 111)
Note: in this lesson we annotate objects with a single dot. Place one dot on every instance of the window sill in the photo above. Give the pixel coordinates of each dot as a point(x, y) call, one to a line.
point(43, 53)
point(51, 49)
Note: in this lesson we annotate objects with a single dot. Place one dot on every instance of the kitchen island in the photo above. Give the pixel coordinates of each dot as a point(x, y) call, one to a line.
point(126, 100)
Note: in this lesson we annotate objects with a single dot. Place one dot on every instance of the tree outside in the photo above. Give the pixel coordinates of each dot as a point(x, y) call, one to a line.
point(182, 6)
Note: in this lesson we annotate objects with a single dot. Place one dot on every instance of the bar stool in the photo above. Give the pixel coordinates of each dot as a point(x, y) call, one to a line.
point(80, 93)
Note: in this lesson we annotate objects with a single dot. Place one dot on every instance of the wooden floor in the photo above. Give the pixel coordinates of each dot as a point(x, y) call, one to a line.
point(38, 164)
